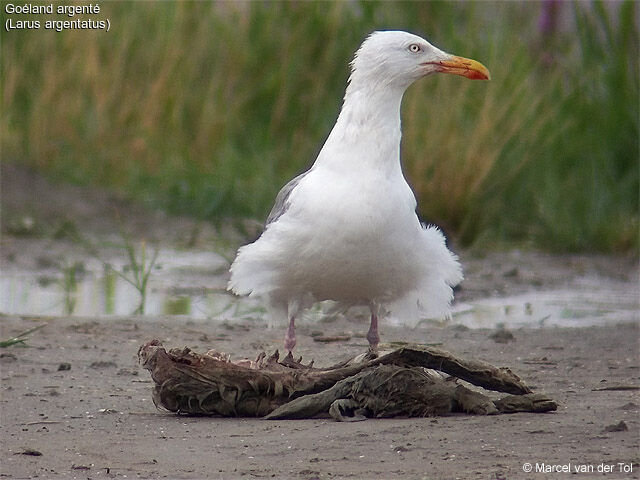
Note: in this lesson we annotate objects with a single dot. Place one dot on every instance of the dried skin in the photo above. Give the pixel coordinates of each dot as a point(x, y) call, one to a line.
point(396, 384)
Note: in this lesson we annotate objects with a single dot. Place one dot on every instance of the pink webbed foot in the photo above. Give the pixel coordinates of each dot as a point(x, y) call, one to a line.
point(372, 334)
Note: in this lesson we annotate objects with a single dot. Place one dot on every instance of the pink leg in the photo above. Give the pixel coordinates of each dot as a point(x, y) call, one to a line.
point(290, 337)
point(372, 335)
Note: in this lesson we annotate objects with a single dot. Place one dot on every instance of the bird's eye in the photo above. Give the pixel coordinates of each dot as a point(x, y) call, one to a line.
point(415, 48)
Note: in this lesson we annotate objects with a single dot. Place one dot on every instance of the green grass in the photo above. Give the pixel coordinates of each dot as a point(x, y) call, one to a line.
point(20, 339)
point(137, 270)
point(209, 108)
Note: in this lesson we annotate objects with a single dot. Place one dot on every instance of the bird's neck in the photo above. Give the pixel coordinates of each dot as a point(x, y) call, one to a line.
point(368, 127)
point(373, 107)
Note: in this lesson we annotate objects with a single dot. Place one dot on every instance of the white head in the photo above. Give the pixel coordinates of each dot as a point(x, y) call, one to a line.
point(397, 59)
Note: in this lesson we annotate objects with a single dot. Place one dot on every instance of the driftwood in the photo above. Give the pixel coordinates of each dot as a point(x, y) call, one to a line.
point(396, 384)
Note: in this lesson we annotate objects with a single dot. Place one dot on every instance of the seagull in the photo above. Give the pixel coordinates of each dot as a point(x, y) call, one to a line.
point(346, 229)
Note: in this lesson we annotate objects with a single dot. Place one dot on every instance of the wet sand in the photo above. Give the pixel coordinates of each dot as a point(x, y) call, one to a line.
point(97, 419)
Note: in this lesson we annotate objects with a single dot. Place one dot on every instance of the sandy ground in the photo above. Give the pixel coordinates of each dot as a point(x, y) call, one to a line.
point(97, 420)
point(77, 405)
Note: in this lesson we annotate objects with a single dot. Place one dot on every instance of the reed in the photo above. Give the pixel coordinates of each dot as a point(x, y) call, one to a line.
point(209, 108)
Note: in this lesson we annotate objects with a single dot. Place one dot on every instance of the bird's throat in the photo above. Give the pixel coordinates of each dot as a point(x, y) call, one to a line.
point(370, 117)
point(367, 132)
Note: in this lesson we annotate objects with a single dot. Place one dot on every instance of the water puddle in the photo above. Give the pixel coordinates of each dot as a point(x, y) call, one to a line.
point(593, 301)
point(192, 284)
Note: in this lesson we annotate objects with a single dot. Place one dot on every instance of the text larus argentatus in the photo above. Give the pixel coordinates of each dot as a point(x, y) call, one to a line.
point(347, 230)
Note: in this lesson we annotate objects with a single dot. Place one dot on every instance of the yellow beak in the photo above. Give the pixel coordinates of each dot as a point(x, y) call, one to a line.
point(464, 67)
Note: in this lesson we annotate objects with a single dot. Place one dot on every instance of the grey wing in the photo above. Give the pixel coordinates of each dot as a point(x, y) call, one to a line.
point(282, 199)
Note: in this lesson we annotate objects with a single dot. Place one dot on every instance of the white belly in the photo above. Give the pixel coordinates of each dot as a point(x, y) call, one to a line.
point(352, 244)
